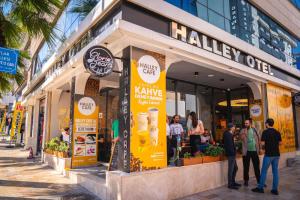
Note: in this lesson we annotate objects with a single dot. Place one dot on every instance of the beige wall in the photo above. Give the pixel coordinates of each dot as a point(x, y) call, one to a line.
point(283, 12)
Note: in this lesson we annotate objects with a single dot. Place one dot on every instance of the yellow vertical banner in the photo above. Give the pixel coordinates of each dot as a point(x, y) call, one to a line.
point(16, 121)
point(280, 109)
point(148, 111)
point(3, 121)
point(85, 132)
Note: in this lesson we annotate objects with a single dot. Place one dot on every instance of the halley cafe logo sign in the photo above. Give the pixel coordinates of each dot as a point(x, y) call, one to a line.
point(202, 41)
point(99, 61)
point(148, 69)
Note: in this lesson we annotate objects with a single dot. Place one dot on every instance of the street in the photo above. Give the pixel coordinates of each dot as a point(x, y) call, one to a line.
point(21, 178)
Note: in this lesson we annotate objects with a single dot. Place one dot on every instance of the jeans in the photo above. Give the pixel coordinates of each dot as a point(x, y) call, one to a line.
point(267, 161)
point(232, 169)
point(246, 163)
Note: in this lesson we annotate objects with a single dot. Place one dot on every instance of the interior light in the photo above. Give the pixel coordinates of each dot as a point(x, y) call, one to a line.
point(235, 103)
point(210, 75)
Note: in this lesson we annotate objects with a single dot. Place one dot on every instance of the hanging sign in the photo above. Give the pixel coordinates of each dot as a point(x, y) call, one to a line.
point(85, 130)
point(98, 61)
point(8, 60)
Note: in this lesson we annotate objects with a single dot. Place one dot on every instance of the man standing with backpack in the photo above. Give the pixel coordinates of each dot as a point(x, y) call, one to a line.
point(251, 147)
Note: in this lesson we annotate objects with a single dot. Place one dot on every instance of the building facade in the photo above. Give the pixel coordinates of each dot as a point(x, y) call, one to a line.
point(226, 60)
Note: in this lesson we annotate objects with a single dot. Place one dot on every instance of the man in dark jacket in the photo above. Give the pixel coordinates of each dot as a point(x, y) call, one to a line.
point(230, 152)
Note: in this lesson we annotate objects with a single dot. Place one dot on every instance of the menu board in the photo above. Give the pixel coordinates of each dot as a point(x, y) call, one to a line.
point(148, 111)
point(280, 109)
point(85, 130)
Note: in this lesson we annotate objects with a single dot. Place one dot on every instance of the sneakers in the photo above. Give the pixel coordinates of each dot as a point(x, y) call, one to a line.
point(258, 190)
point(233, 187)
point(237, 185)
point(275, 192)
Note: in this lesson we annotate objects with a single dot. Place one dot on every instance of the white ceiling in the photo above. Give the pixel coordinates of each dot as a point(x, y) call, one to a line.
point(185, 71)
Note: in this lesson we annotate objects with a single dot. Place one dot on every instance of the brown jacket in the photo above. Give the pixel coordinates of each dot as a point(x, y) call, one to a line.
point(244, 138)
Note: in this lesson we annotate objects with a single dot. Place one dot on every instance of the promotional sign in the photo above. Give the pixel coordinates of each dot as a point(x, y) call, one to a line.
point(2, 125)
point(99, 61)
point(280, 109)
point(8, 60)
point(257, 115)
point(17, 120)
point(148, 111)
point(85, 130)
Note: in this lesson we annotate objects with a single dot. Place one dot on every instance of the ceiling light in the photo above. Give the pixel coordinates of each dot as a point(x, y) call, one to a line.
point(196, 74)
point(210, 75)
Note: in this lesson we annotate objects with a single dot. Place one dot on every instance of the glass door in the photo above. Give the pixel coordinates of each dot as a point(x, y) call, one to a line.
point(108, 112)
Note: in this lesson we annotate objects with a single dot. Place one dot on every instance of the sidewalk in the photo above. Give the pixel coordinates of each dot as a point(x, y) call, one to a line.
point(289, 188)
point(21, 178)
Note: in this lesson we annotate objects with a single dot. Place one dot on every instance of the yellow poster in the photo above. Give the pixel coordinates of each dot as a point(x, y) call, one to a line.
point(16, 121)
point(85, 130)
point(3, 120)
point(280, 109)
point(148, 111)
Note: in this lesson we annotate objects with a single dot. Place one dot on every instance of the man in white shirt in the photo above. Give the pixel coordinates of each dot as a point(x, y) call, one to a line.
point(176, 131)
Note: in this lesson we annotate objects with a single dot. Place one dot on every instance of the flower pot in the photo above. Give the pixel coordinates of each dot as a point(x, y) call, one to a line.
point(209, 159)
point(60, 154)
point(55, 153)
point(223, 157)
point(192, 161)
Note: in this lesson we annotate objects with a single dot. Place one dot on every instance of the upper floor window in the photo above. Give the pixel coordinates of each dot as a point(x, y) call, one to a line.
point(296, 3)
point(246, 22)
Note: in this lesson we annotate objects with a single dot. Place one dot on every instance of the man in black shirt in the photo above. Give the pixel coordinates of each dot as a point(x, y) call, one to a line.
point(271, 138)
point(230, 153)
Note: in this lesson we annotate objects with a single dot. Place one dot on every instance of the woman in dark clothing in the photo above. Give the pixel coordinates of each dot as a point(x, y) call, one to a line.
point(195, 129)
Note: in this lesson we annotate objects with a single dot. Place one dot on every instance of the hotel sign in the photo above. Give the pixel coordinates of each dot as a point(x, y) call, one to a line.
point(202, 41)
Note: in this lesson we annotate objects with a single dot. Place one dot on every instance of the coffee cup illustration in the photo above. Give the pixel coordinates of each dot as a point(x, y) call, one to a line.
point(153, 117)
point(154, 136)
point(142, 121)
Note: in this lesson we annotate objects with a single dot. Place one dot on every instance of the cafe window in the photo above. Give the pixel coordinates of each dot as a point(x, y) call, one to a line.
point(204, 98)
point(186, 99)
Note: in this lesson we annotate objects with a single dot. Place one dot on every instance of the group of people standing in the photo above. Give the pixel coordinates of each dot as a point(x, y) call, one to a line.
point(199, 137)
point(252, 145)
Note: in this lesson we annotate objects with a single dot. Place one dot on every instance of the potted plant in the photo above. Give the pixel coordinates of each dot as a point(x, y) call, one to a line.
point(189, 160)
point(213, 154)
point(63, 150)
point(53, 146)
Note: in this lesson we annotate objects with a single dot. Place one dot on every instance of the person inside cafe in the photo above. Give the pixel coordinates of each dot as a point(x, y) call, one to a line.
point(207, 138)
point(65, 136)
point(176, 131)
point(250, 149)
point(194, 133)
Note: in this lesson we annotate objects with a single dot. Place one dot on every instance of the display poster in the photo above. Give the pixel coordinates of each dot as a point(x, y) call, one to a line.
point(85, 130)
point(16, 121)
point(257, 114)
point(280, 109)
point(148, 111)
point(2, 125)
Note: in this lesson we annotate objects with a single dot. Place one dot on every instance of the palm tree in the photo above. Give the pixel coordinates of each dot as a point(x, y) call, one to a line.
point(83, 7)
point(20, 19)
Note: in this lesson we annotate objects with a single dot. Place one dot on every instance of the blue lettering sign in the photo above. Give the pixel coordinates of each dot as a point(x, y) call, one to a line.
point(8, 60)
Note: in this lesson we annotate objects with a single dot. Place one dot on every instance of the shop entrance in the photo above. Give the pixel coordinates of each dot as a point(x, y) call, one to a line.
point(40, 125)
point(108, 112)
point(216, 97)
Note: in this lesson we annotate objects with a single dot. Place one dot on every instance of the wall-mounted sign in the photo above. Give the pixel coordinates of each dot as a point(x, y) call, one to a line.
point(8, 60)
point(143, 112)
point(205, 42)
point(99, 61)
point(85, 130)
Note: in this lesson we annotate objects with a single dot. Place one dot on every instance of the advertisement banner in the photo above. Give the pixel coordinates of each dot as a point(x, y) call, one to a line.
point(257, 114)
point(148, 111)
point(3, 121)
point(8, 60)
point(16, 121)
point(85, 131)
point(280, 109)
